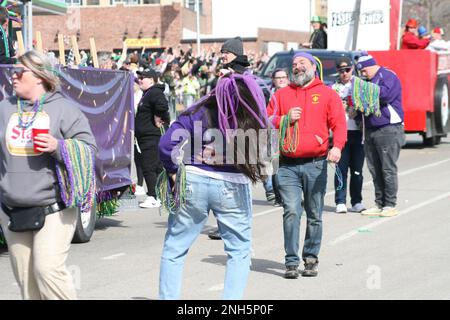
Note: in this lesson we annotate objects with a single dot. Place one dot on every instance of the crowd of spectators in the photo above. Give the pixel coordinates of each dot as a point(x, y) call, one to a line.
point(187, 75)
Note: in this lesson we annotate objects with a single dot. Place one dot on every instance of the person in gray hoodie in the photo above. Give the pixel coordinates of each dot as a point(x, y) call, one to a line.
point(28, 178)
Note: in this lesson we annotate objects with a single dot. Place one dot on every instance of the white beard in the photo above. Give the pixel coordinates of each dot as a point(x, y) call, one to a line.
point(302, 78)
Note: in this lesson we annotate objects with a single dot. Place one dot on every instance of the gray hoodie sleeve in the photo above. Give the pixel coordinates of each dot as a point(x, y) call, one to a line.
point(75, 125)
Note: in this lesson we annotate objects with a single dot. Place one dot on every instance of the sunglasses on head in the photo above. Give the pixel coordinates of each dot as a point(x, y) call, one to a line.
point(345, 70)
point(18, 71)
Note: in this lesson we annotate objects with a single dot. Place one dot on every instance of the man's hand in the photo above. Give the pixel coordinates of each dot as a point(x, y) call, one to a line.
point(295, 114)
point(334, 155)
point(352, 113)
point(158, 122)
point(46, 143)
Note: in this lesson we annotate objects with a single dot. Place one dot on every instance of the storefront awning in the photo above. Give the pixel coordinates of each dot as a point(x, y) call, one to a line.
point(46, 6)
point(49, 7)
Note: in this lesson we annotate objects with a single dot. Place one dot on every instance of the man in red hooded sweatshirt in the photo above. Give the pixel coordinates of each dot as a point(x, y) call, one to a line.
point(304, 112)
point(410, 39)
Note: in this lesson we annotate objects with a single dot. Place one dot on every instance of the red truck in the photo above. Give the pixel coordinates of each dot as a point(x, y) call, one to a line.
point(425, 78)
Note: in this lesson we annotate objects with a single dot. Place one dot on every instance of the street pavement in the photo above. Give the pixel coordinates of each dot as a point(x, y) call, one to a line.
point(404, 257)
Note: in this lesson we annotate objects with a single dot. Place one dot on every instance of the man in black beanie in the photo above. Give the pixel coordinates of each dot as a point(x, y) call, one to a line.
point(233, 56)
point(233, 60)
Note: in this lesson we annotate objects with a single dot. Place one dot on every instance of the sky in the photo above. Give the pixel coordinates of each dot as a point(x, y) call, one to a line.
point(243, 17)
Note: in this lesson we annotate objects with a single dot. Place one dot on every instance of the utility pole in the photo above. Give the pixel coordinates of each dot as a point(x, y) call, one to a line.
point(27, 27)
point(29, 8)
point(356, 24)
point(197, 10)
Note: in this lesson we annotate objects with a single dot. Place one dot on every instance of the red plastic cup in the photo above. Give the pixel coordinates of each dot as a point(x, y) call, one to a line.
point(35, 133)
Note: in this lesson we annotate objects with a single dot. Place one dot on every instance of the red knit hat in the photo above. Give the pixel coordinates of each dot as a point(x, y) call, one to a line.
point(412, 23)
point(439, 31)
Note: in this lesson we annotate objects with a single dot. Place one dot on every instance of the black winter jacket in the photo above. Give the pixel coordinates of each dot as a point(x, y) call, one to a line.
point(153, 103)
point(319, 39)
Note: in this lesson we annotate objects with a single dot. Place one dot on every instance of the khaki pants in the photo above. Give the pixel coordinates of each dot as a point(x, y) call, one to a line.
point(38, 258)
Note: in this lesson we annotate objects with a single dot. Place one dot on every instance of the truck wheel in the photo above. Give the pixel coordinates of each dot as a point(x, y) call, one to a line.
point(85, 225)
point(432, 141)
point(441, 108)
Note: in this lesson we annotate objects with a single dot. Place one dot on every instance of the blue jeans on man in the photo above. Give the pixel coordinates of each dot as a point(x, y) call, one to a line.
point(231, 204)
point(308, 179)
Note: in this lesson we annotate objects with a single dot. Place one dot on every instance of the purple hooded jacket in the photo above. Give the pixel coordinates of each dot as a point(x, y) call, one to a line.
point(390, 100)
point(183, 129)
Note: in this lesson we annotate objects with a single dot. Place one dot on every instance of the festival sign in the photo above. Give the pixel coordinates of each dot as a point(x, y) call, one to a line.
point(373, 30)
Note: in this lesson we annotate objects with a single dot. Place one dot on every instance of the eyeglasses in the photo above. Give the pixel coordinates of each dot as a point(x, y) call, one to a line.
point(344, 70)
point(280, 78)
point(18, 71)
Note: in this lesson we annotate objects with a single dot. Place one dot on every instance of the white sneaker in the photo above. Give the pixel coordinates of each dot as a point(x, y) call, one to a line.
point(140, 191)
point(341, 208)
point(389, 212)
point(374, 211)
point(150, 202)
point(359, 207)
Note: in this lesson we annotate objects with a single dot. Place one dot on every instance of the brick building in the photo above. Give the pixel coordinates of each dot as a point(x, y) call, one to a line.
point(164, 23)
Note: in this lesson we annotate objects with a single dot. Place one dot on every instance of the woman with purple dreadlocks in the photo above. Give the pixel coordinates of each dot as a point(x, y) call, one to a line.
point(217, 171)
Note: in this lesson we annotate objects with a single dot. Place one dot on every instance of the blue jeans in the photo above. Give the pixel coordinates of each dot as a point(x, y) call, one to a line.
point(271, 187)
point(309, 179)
point(352, 158)
point(231, 204)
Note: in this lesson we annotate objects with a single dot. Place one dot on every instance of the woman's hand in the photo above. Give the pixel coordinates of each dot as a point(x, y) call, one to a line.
point(173, 180)
point(46, 142)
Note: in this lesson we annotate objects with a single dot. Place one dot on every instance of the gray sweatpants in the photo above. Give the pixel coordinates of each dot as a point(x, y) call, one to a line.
point(382, 148)
point(38, 258)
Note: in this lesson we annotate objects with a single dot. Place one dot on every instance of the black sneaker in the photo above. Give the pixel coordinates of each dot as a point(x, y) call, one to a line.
point(277, 204)
point(291, 272)
point(270, 197)
point(214, 235)
point(311, 267)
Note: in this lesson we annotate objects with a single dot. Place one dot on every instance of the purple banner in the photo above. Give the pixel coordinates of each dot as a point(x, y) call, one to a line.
point(106, 98)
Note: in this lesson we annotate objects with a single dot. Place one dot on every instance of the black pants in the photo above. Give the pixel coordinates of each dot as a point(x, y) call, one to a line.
point(138, 163)
point(151, 166)
point(382, 148)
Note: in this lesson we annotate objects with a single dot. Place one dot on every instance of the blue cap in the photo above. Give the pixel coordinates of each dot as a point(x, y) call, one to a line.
point(422, 30)
point(365, 61)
